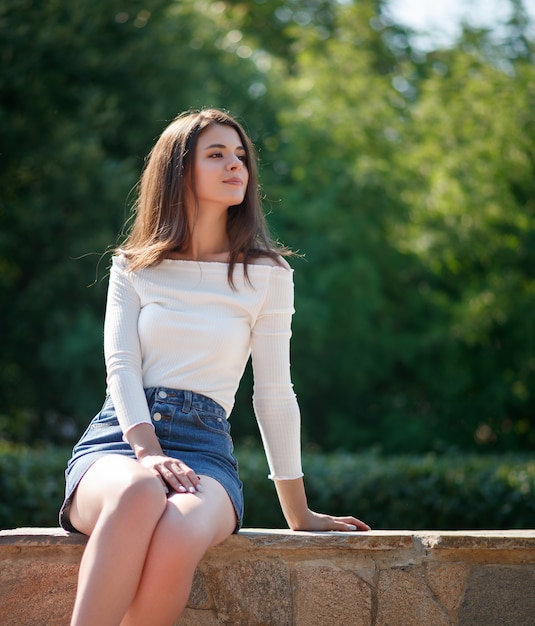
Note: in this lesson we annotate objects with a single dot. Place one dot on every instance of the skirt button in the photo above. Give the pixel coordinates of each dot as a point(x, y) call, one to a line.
point(157, 417)
point(162, 394)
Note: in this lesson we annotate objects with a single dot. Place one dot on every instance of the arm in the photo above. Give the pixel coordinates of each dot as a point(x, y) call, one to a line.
point(149, 453)
point(278, 412)
point(293, 500)
point(125, 384)
point(122, 349)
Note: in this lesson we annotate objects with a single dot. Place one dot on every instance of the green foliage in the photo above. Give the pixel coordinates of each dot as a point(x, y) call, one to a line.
point(85, 90)
point(409, 186)
point(405, 179)
point(449, 492)
point(32, 485)
point(468, 163)
point(433, 492)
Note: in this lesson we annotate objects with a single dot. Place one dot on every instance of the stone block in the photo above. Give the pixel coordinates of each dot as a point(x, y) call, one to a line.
point(327, 595)
point(39, 592)
point(405, 599)
point(265, 577)
point(498, 595)
point(251, 592)
point(198, 598)
point(448, 581)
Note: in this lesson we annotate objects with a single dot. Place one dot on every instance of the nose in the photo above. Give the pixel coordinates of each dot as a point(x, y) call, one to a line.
point(234, 163)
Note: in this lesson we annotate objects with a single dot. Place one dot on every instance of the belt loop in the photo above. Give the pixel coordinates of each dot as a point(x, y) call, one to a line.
point(150, 392)
point(186, 407)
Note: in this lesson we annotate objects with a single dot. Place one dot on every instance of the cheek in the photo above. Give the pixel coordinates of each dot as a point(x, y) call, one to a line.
point(203, 176)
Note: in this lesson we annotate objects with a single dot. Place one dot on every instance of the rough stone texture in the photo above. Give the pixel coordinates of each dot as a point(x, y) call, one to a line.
point(251, 592)
point(192, 617)
point(39, 591)
point(198, 598)
point(326, 594)
point(404, 597)
point(499, 596)
point(283, 578)
point(448, 581)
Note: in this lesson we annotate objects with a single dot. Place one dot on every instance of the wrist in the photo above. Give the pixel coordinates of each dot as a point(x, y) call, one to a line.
point(298, 520)
point(143, 441)
point(142, 452)
point(294, 503)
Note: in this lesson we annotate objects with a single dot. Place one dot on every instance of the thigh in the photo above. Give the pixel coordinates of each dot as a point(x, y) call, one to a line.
point(104, 483)
point(189, 526)
point(210, 515)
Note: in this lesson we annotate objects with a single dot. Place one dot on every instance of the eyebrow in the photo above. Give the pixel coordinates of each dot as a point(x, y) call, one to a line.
point(222, 146)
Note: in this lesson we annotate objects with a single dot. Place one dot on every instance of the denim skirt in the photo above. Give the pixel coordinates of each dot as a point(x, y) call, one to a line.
point(189, 426)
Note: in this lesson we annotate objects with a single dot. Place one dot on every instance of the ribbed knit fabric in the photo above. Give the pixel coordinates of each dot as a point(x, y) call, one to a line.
point(181, 325)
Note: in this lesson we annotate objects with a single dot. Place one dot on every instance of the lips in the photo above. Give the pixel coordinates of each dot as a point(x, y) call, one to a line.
point(234, 181)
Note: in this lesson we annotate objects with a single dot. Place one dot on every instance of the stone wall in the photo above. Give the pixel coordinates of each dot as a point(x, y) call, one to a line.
point(284, 578)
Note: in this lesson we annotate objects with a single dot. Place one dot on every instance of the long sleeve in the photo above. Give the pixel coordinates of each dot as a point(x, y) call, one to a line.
point(274, 400)
point(122, 350)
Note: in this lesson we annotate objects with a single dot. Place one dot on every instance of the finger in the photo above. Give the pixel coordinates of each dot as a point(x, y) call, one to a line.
point(194, 480)
point(346, 524)
point(162, 481)
point(172, 478)
point(171, 473)
point(352, 524)
point(186, 476)
point(183, 478)
point(344, 527)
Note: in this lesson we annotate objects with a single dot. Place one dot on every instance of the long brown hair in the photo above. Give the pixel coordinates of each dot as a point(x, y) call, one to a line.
point(161, 223)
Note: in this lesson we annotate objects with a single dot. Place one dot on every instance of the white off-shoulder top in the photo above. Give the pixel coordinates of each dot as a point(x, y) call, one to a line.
point(181, 325)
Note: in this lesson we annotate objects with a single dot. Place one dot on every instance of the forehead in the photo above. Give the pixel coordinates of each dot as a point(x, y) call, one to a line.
point(220, 135)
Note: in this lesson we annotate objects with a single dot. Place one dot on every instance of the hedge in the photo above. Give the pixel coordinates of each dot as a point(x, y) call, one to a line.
point(431, 492)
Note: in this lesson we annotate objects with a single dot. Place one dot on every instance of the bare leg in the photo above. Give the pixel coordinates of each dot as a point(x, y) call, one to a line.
point(143, 548)
point(118, 503)
point(191, 524)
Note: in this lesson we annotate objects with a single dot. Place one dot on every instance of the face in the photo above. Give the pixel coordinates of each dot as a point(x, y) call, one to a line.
point(220, 171)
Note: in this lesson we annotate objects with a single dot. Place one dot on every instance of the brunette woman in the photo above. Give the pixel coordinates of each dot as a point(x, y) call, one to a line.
point(197, 288)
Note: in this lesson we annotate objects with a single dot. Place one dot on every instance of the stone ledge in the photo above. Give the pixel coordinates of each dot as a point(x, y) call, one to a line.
point(285, 578)
point(284, 538)
point(40, 537)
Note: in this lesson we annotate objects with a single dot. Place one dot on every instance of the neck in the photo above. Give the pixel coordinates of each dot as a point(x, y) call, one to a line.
point(209, 240)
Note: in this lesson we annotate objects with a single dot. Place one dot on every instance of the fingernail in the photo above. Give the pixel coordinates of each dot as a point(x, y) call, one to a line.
point(351, 527)
point(199, 488)
point(191, 489)
point(182, 489)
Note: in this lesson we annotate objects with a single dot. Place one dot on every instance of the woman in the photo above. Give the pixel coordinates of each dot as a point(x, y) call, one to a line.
point(196, 289)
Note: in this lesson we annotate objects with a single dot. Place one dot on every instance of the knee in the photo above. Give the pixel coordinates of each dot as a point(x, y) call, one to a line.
point(139, 498)
point(184, 533)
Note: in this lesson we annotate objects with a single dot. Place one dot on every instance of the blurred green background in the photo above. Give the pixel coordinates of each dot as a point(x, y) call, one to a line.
point(404, 177)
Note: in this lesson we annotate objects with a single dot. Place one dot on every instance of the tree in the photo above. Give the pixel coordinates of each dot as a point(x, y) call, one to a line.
point(405, 179)
point(84, 90)
point(468, 167)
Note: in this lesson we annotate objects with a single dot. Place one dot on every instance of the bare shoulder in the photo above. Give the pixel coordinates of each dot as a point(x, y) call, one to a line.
point(266, 260)
point(120, 261)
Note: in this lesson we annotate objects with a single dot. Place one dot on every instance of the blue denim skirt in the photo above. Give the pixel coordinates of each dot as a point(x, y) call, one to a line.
point(189, 426)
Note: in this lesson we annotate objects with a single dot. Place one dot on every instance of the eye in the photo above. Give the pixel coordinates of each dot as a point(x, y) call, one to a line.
point(215, 155)
point(242, 157)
